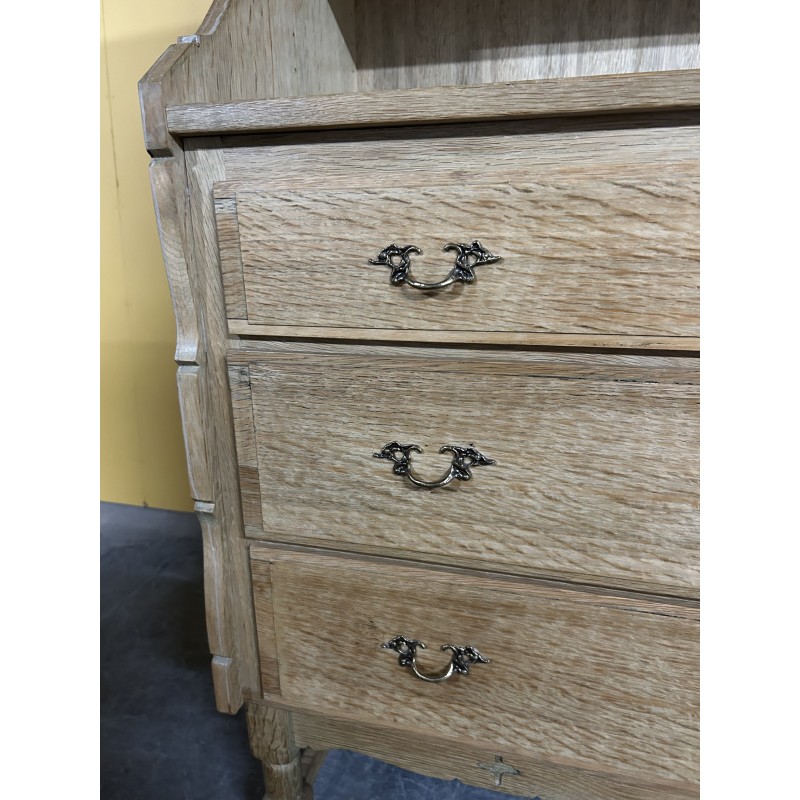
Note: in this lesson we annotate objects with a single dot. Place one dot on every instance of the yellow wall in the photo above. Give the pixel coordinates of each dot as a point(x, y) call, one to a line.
point(142, 460)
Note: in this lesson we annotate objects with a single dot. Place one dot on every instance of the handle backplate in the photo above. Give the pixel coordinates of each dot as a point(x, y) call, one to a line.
point(462, 656)
point(464, 459)
point(468, 256)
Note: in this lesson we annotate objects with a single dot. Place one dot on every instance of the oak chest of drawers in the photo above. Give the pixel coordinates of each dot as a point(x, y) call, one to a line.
point(439, 376)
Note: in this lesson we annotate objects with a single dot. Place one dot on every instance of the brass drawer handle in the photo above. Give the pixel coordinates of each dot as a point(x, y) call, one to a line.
point(468, 256)
point(462, 657)
point(464, 458)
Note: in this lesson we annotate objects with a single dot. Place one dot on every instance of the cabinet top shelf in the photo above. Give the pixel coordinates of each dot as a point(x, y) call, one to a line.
point(597, 94)
point(299, 64)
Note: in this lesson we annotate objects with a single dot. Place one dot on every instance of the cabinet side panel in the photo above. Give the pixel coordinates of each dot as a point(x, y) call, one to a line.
point(166, 183)
point(229, 58)
point(204, 167)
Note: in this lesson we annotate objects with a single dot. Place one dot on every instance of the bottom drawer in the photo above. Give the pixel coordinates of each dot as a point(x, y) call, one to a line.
point(585, 679)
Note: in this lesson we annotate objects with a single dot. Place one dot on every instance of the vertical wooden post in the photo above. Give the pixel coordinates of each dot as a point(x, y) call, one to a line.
point(272, 742)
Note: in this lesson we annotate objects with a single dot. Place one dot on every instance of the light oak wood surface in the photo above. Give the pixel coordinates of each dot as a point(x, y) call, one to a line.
point(601, 94)
point(596, 477)
point(166, 175)
point(576, 678)
point(208, 417)
point(580, 255)
point(406, 43)
point(227, 58)
point(229, 615)
point(256, 50)
point(220, 621)
point(592, 361)
point(583, 341)
point(272, 742)
point(596, 220)
point(190, 391)
point(468, 763)
point(230, 256)
point(565, 137)
point(488, 153)
point(247, 458)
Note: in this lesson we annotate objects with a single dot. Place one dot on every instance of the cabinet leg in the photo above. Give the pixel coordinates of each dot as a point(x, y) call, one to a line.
point(272, 743)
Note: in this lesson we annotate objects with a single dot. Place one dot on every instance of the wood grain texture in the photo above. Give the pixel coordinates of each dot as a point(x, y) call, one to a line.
point(213, 578)
point(576, 678)
point(227, 685)
point(219, 625)
point(190, 400)
point(272, 742)
point(230, 256)
point(596, 477)
point(157, 88)
point(493, 153)
point(581, 255)
point(678, 367)
point(406, 43)
point(597, 696)
point(228, 613)
point(689, 344)
point(450, 761)
point(231, 59)
point(573, 155)
point(234, 58)
point(267, 637)
point(244, 430)
point(203, 167)
point(261, 49)
point(602, 94)
point(165, 180)
point(310, 55)
point(255, 50)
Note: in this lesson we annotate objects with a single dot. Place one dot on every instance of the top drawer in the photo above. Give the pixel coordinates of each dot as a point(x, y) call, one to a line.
point(602, 249)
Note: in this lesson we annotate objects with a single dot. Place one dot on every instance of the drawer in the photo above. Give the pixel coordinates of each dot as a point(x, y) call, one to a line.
point(583, 679)
point(595, 477)
point(589, 248)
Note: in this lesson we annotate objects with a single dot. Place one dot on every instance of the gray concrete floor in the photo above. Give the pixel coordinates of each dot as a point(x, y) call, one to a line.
point(161, 738)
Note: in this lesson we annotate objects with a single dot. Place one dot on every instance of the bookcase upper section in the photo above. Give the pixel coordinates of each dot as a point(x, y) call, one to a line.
point(253, 50)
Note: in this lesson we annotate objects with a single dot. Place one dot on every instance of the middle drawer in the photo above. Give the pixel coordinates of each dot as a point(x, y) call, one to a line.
point(594, 481)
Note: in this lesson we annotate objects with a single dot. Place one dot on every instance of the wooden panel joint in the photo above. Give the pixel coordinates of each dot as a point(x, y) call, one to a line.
point(225, 672)
point(227, 686)
point(230, 255)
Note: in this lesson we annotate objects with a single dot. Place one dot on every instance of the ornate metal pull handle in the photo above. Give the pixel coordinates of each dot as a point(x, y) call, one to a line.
point(462, 657)
point(464, 458)
point(468, 256)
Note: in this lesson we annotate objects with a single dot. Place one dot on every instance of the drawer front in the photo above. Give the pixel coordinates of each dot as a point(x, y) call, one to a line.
point(583, 679)
point(609, 250)
point(595, 480)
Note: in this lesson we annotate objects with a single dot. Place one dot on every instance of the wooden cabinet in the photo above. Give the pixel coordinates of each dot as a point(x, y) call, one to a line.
point(461, 237)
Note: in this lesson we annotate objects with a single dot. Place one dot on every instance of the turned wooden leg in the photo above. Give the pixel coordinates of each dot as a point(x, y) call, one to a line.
point(272, 743)
point(310, 764)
